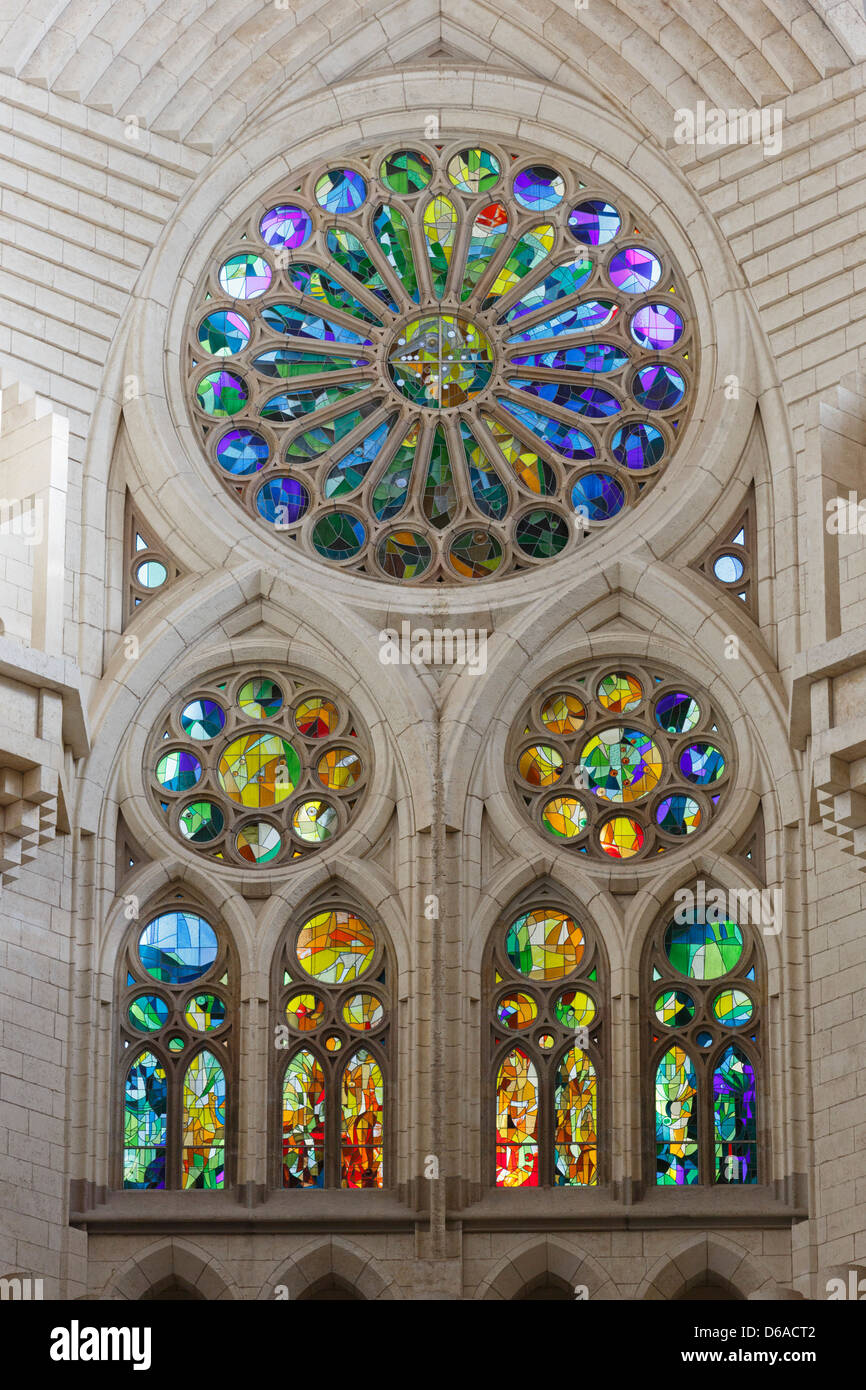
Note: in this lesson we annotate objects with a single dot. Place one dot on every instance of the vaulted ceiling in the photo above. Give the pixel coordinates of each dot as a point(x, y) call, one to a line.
point(199, 70)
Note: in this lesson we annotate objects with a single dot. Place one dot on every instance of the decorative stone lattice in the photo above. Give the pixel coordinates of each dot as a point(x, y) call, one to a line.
point(440, 363)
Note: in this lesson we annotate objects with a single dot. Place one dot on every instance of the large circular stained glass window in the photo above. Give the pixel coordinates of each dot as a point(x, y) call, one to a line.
point(257, 767)
point(621, 761)
point(435, 364)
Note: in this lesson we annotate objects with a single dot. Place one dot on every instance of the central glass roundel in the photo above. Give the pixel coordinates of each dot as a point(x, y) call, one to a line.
point(440, 364)
point(440, 360)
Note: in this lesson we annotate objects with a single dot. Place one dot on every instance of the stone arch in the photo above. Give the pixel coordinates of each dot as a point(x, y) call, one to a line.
point(536, 1260)
point(335, 1261)
point(171, 1261)
point(708, 1259)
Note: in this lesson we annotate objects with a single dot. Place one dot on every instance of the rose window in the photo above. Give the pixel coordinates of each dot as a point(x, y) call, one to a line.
point(440, 364)
point(257, 767)
point(621, 761)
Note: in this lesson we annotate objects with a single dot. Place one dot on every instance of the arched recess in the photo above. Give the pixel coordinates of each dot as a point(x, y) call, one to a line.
point(535, 1261)
point(707, 1259)
point(175, 1086)
point(706, 1069)
point(332, 1092)
point(332, 1259)
point(481, 102)
point(545, 1036)
point(171, 1260)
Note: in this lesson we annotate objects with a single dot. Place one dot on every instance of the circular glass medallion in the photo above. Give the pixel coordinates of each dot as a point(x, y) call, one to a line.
point(621, 837)
point(205, 1012)
point(575, 1009)
point(440, 360)
point(178, 770)
point(733, 1007)
point(177, 947)
point(657, 326)
point(285, 227)
point(678, 815)
point(245, 277)
point(404, 554)
point(619, 693)
point(565, 817)
point(151, 574)
point(674, 1008)
point(594, 222)
point(634, 270)
point(242, 452)
point(516, 1010)
point(545, 944)
point(702, 763)
point(338, 536)
point(340, 191)
point(304, 1012)
point(259, 770)
point(473, 171)
point(200, 822)
point(221, 394)
point(638, 446)
point(335, 947)
point(620, 764)
point(260, 699)
point(223, 333)
point(147, 1013)
point(339, 769)
point(728, 568)
point(659, 387)
point(202, 719)
point(314, 821)
point(597, 496)
point(541, 765)
point(406, 172)
point(563, 714)
point(258, 843)
point(475, 554)
point(677, 713)
point(703, 950)
point(363, 1012)
point(316, 717)
point(539, 188)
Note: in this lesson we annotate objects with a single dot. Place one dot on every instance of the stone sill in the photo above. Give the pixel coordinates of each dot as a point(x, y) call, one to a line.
point(341, 1211)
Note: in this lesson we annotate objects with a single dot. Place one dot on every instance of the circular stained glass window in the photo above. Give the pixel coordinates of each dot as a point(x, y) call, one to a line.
point(177, 947)
point(620, 762)
point(255, 768)
point(335, 947)
point(397, 363)
point(544, 944)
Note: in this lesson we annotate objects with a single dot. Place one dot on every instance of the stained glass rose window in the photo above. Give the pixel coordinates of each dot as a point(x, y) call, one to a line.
point(431, 364)
point(256, 767)
point(621, 761)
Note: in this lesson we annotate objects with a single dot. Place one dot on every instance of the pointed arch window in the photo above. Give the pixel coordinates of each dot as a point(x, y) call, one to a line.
point(176, 1039)
point(703, 982)
point(332, 1035)
point(546, 992)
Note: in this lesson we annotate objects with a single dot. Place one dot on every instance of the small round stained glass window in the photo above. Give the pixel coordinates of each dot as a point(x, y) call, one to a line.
point(254, 769)
point(427, 363)
point(621, 762)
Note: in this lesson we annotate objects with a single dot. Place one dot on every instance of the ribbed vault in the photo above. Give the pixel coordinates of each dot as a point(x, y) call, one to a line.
point(198, 70)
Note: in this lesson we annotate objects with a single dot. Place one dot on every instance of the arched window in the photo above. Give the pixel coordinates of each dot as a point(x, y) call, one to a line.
point(703, 986)
point(176, 1040)
point(332, 1045)
point(546, 992)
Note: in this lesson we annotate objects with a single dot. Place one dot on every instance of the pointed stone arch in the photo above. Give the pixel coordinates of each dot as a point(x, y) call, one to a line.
point(333, 1261)
point(539, 1260)
point(171, 1261)
point(708, 1259)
